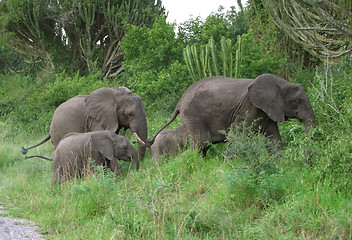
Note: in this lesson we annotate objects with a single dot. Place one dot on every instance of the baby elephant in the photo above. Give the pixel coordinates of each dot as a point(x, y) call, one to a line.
point(168, 141)
point(103, 147)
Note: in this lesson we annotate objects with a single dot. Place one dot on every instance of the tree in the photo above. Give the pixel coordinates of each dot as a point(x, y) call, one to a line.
point(213, 59)
point(27, 26)
point(323, 28)
point(83, 34)
point(153, 65)
point(229, 24)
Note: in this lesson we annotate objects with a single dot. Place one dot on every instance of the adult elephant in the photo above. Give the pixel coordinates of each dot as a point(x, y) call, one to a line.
point(214, 104)
point(103, 109)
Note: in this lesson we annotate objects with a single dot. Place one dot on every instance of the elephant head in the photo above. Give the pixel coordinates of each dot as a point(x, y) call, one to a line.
point(114, 109)
point(281, 100)
point(114, 147)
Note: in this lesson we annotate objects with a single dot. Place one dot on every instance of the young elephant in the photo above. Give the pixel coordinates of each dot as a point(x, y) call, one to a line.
point(168, 141)
point(103, 147)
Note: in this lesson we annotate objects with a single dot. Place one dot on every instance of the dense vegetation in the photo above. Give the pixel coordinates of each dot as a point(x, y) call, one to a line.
point(240, 190)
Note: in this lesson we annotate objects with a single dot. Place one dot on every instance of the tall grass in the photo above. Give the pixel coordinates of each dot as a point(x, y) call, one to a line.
point(242, 190)
point(184, 197)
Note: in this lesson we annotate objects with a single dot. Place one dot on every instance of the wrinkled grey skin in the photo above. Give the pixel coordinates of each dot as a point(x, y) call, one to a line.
point(105, 148)
point(103, 109)
point(218, 103)
point(168, 141)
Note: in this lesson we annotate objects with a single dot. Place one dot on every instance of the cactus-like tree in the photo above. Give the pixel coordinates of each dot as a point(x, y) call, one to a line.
point(87, 33)
point(213, 59)
point(323, 28)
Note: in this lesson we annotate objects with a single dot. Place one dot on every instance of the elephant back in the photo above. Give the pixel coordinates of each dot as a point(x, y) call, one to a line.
point(68, 117)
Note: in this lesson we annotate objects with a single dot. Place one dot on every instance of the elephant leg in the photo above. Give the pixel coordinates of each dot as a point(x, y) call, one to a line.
point(201, 137)
point(204, 149)
point(156, 152)
point(272, 132)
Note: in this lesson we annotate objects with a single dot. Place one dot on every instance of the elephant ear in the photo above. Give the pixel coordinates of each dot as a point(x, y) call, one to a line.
point(264, 93)
point(101, 105)
point(103, 143)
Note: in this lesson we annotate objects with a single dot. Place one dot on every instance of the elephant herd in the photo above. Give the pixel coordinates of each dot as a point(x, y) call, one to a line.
point(87, 126)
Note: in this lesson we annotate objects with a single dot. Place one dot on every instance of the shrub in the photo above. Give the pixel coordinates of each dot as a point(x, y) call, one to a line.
point(161, 90)
point(153, 67)
point(255, 178)
point(332, 91)
point(256, 59)
point(31, 103)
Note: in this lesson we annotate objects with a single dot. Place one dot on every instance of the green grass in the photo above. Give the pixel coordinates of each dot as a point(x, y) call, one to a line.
point(187, 196)
point(238, 191)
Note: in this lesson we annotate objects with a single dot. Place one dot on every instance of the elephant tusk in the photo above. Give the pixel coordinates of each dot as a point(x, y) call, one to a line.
point(139, 139)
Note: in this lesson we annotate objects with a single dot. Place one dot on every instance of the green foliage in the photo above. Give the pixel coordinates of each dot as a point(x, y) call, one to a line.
point(83, 35)
point(151, 48)
point(274, 39)
point(160, 90)
point(31, 103)
point(153, 69)
point(65, 87)
point(319, 35)
point(256, 178)
point(9, 59)
point(331, 87)
point(256, 59)
point(228, 24)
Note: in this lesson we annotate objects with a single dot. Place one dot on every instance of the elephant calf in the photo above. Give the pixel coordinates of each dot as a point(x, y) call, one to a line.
point(105, 148)
point(168, 141)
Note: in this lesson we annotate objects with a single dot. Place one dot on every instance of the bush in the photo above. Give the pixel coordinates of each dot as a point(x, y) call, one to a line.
point(256, 178)
point(153, 67)
point(161, 90)
point(31, 103)
point(256, 59)
point(13, 91)
point(151, 48)
point(332, 92)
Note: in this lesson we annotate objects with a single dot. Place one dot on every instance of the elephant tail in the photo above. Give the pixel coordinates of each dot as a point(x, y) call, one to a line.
point(174, 115)
point(25, 150)
point(38, 156)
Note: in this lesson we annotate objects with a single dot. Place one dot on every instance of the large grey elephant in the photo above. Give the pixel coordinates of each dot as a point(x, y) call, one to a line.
point(214, 104)
point(103, 109)
point(168, 141)
point(105, 148)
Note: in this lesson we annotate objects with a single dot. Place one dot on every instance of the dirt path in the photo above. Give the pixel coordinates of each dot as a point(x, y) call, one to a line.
point(16, 229)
